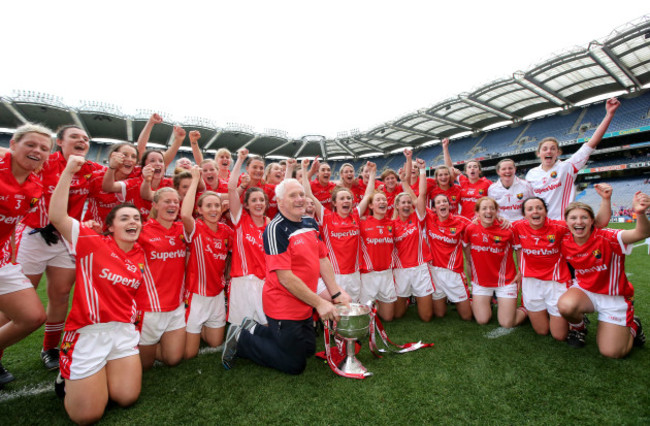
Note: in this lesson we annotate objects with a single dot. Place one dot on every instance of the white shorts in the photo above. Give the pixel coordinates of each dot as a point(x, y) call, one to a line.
point(449, 284)
point(154, 324)
point(245, 299)
point(12, 279)
point(378, 285)
point(351, 283)
point(507, 291)
point(616, 310)
point(34, 255)
point(86, 351)
point(205, 312)
point(415, 281)
point(538, 295)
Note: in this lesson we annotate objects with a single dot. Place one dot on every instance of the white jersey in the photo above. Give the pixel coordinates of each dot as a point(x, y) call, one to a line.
point(511, 199)
point(556, 186)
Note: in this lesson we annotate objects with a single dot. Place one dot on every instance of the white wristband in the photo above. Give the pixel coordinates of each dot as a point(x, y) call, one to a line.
point(423, 172)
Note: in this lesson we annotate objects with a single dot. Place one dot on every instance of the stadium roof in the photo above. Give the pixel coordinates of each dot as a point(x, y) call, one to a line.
point(618, 63)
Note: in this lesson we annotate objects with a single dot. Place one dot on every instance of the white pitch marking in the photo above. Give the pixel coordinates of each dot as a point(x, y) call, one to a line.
point(28, 391)
point(209, 350)
point(499, 332)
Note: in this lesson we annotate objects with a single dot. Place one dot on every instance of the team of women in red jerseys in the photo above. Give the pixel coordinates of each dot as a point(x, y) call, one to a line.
point(153, 255)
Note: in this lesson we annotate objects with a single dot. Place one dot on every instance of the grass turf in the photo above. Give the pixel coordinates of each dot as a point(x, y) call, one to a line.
point(469, 376)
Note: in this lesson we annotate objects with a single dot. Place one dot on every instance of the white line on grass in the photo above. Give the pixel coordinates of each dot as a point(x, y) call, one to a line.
point(209, 350)
point(499, 332)
point(28, 391)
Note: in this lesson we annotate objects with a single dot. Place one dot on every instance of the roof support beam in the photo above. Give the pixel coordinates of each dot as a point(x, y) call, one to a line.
point(78, 122)
point(381, 138)
point(446, 121)
point(622, 67)
point(129, 130)
point(609, 72)
point(213, 139)
point(15, 112)
point(344, 148)
point(544, 88)
point(478, 104)
point(367, 145)
point(410, 130)
point(302, 146)
point(323, 148)
point(253, 139)
point(276, 148)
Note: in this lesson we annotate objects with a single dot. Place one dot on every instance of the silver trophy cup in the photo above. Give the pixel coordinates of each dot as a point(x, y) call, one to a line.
point(354, 323)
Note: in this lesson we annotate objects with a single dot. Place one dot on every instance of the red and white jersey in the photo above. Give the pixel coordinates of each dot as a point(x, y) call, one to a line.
point(376, 244)
point(248, 250)
point(453, 194)
point(409, 237)
point(100, 203)
point(540, 250)
point(511, 199)
point(51, 173)
point(470, 193)
point(600, 262)
point(390, 198)
point(445, 241)
point(342, 240)
point(107, 279)
point(323, 193)
point(208, 251)
point(164, 273)
point(491, 255)
point(556, 186)
point(272, 210)
point(16, 200)
point(131, 187)
point(431, 184)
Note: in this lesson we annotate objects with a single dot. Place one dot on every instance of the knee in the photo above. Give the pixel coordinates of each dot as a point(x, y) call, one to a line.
point(426, 317)
point(126, 399)
point(566, 307)
point(86, 415)
point(32, 321)
point(507, 323)
point(482, 320)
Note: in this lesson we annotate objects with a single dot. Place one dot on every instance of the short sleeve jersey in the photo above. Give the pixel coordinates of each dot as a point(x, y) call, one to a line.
point(445, 241)
point(269, 190)
point(164, 274)
point(341, 236)
point(470, 193)
point(453, 194)
point(290, 246)
point(540, 250)
point(323, 193)
point(16, 200)
point(557, 185)
point(411, 248)
point(248, 250)
point(491, 255)
point(100, 203)
point(600, 262)
point(133, 194)
point(207, 263)
point(376, 244)
point(390, 198)
point(511, 199)
point(107, 279)
point(51, 173)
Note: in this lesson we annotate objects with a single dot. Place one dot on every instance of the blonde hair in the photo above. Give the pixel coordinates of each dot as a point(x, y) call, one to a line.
point(156, 197)
point(31, 128)
point(221, 151)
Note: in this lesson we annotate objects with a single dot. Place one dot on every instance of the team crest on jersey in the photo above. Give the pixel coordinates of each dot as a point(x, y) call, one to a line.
point(141, 266)
point(453, 198)
point(33, 202)
point(553, 175)
point(551, 238)
point(88, 176)
point(520, 196)
point(65, 347)
point(390, 229)
point(452, 231)
point(497, 239)
point(481, 192)
point(597, 254)
point(181, 237)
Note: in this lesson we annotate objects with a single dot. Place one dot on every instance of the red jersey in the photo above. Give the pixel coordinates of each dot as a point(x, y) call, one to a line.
point(79, 189)
point(341, 238)
point(470, 193)
point(164, 273)
point(272, 210)
point(390, 198)
point(411, 248)
point(376, 244)
point(491, 255)
point(208, 251)
point(600, 262)
point(453, 194)
point(100, 203)
point(248, 250)
point(16, 200)
point(445, 240)
point(290, 246)
point(133, 194)
point(323, 193)
point(431, 184)
point(107, 279)
point(540, 250)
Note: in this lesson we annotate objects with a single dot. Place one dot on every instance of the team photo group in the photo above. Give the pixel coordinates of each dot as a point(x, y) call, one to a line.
point(245, 255)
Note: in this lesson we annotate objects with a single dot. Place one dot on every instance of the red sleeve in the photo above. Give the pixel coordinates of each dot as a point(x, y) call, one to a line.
point(280, 261)
point(322, 250)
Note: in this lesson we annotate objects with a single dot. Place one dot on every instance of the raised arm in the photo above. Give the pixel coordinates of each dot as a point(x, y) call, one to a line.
point(195, 135)
point(445, 153)
point(146, 193)
point(408, 166)
point(641, 231)
point(307, 187)
point(114, 162)
point(179, 137)
point(611, 106)
point(187, 209)
point(233, 193)
point(315, 165)
point(370, 189)
point(421, 201)
point(59, 203)
point(145, 134)
point(604, 213)
point(291, 166)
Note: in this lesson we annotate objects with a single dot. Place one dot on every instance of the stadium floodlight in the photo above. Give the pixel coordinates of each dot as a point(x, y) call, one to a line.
point(313, 138)
point(103, 107)
point(198, 122)
point(342, 135)
point(144, 114)
point(241, 128)
point(30, 96)
point(276, 133)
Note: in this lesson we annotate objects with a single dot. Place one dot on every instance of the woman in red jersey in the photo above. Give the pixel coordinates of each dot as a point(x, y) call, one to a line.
point(412, 276)
point(322, 187)
point(339, 230)
point(472, 185)
point(248, 267)
point(391, 188)
point(545, 275)
point(444, 232)
point(99, 354)
point(489, 248)
point(21, 188)
point(598, 256)
point(210, 241)
point(160, 307)
point(41, 249)
point(346, 172)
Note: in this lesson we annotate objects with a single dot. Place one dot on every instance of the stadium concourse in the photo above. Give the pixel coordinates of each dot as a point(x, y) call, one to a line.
point(505, 118)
